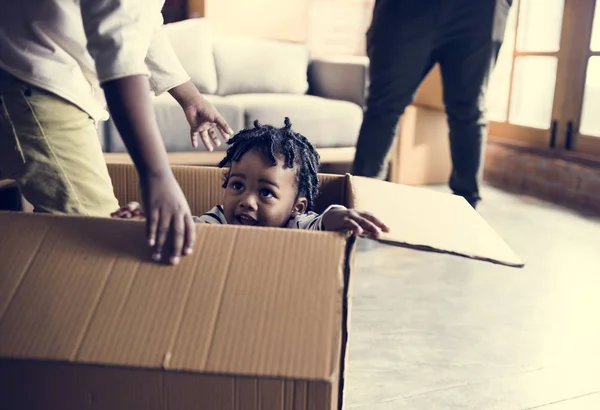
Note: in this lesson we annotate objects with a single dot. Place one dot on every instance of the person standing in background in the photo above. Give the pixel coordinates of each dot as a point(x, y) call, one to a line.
point(404, 41)
point(61, 62)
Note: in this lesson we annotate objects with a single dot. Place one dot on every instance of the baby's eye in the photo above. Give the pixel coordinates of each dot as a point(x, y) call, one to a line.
point(266, 193)
point(236, 185)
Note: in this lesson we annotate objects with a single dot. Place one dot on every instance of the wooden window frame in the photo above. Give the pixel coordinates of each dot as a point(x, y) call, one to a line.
point(562, 136)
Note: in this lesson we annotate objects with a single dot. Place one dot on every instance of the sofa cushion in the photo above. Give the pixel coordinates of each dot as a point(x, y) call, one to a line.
point(192, 41)
point(174, 127)
point(251, 65)
point(326, 123)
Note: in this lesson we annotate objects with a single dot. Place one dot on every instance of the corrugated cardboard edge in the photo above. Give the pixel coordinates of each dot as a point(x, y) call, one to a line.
point(293, 393)
point(349, 263)
point(346, 302)
point(426, 248)
point(352, 202)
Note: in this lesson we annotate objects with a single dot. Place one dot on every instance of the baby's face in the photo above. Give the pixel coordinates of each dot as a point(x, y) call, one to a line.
point(260, 194)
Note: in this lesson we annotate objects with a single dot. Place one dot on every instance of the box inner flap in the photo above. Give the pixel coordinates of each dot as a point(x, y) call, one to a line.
point(424, 219)
point(202, 186)
point(249, 301)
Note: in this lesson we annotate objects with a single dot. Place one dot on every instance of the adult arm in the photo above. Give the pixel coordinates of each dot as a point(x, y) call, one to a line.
point(167, 74)
point(118, 35)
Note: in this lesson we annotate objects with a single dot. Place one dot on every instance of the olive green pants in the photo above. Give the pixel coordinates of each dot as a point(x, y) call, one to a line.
point(51, 148)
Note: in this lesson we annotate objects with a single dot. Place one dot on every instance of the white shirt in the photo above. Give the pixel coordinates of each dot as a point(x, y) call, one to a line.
point(309, 220)
point(69, 47)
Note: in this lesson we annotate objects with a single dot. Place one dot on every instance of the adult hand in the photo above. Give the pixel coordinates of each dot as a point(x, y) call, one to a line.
point(167, 212)
point(206, 123)
point(204, 119)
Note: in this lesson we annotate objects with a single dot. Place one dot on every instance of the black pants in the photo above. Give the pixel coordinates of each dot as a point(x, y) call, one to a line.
point(405, 39)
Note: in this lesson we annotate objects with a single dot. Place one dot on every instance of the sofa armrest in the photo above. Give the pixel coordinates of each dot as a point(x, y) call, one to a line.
point(340, 78)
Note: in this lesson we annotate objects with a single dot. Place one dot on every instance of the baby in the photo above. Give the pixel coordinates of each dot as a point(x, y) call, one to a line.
point(271, 180)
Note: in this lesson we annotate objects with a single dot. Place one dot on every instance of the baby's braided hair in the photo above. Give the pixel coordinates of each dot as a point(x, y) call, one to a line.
point(271, 141)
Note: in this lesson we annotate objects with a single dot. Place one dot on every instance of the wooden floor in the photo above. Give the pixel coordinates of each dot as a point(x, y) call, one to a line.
point(436, 332)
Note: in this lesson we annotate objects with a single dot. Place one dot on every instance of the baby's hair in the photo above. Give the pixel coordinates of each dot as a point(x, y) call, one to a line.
point(272, 142)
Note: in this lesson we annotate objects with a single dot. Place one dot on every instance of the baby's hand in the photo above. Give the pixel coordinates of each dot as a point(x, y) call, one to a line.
point(361, 223)
point(132, 210)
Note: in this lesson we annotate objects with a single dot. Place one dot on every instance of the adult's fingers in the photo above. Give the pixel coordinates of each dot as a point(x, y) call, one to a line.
point(179, 234)
point(152, 225)
point(163, 224)
point(199, 132)
point(190, 234)
point(225, 135)
point(214, 138)
point(194, 135)
point(224, 127)
point(206, 140)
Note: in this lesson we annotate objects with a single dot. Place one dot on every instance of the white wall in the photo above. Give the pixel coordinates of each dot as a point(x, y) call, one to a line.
point(286, 20)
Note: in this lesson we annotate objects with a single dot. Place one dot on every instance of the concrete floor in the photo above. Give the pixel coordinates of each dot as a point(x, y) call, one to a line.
point(436, 332)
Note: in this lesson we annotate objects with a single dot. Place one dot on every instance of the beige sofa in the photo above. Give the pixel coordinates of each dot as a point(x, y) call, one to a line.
point(248, 79)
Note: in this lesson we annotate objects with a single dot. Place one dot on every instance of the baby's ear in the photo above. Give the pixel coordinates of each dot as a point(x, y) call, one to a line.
point(301, 205)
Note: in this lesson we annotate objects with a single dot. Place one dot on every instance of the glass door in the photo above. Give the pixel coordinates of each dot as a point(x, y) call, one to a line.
point(583, 134)
point(525, 93)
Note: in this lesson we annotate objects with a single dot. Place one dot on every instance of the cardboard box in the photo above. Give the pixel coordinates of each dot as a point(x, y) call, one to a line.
point(422, 152)
point(256, 318)
point(430, 93)
point(421, 155)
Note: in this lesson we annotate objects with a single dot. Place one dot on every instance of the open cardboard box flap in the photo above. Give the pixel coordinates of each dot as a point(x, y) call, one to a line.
point(427, 220)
